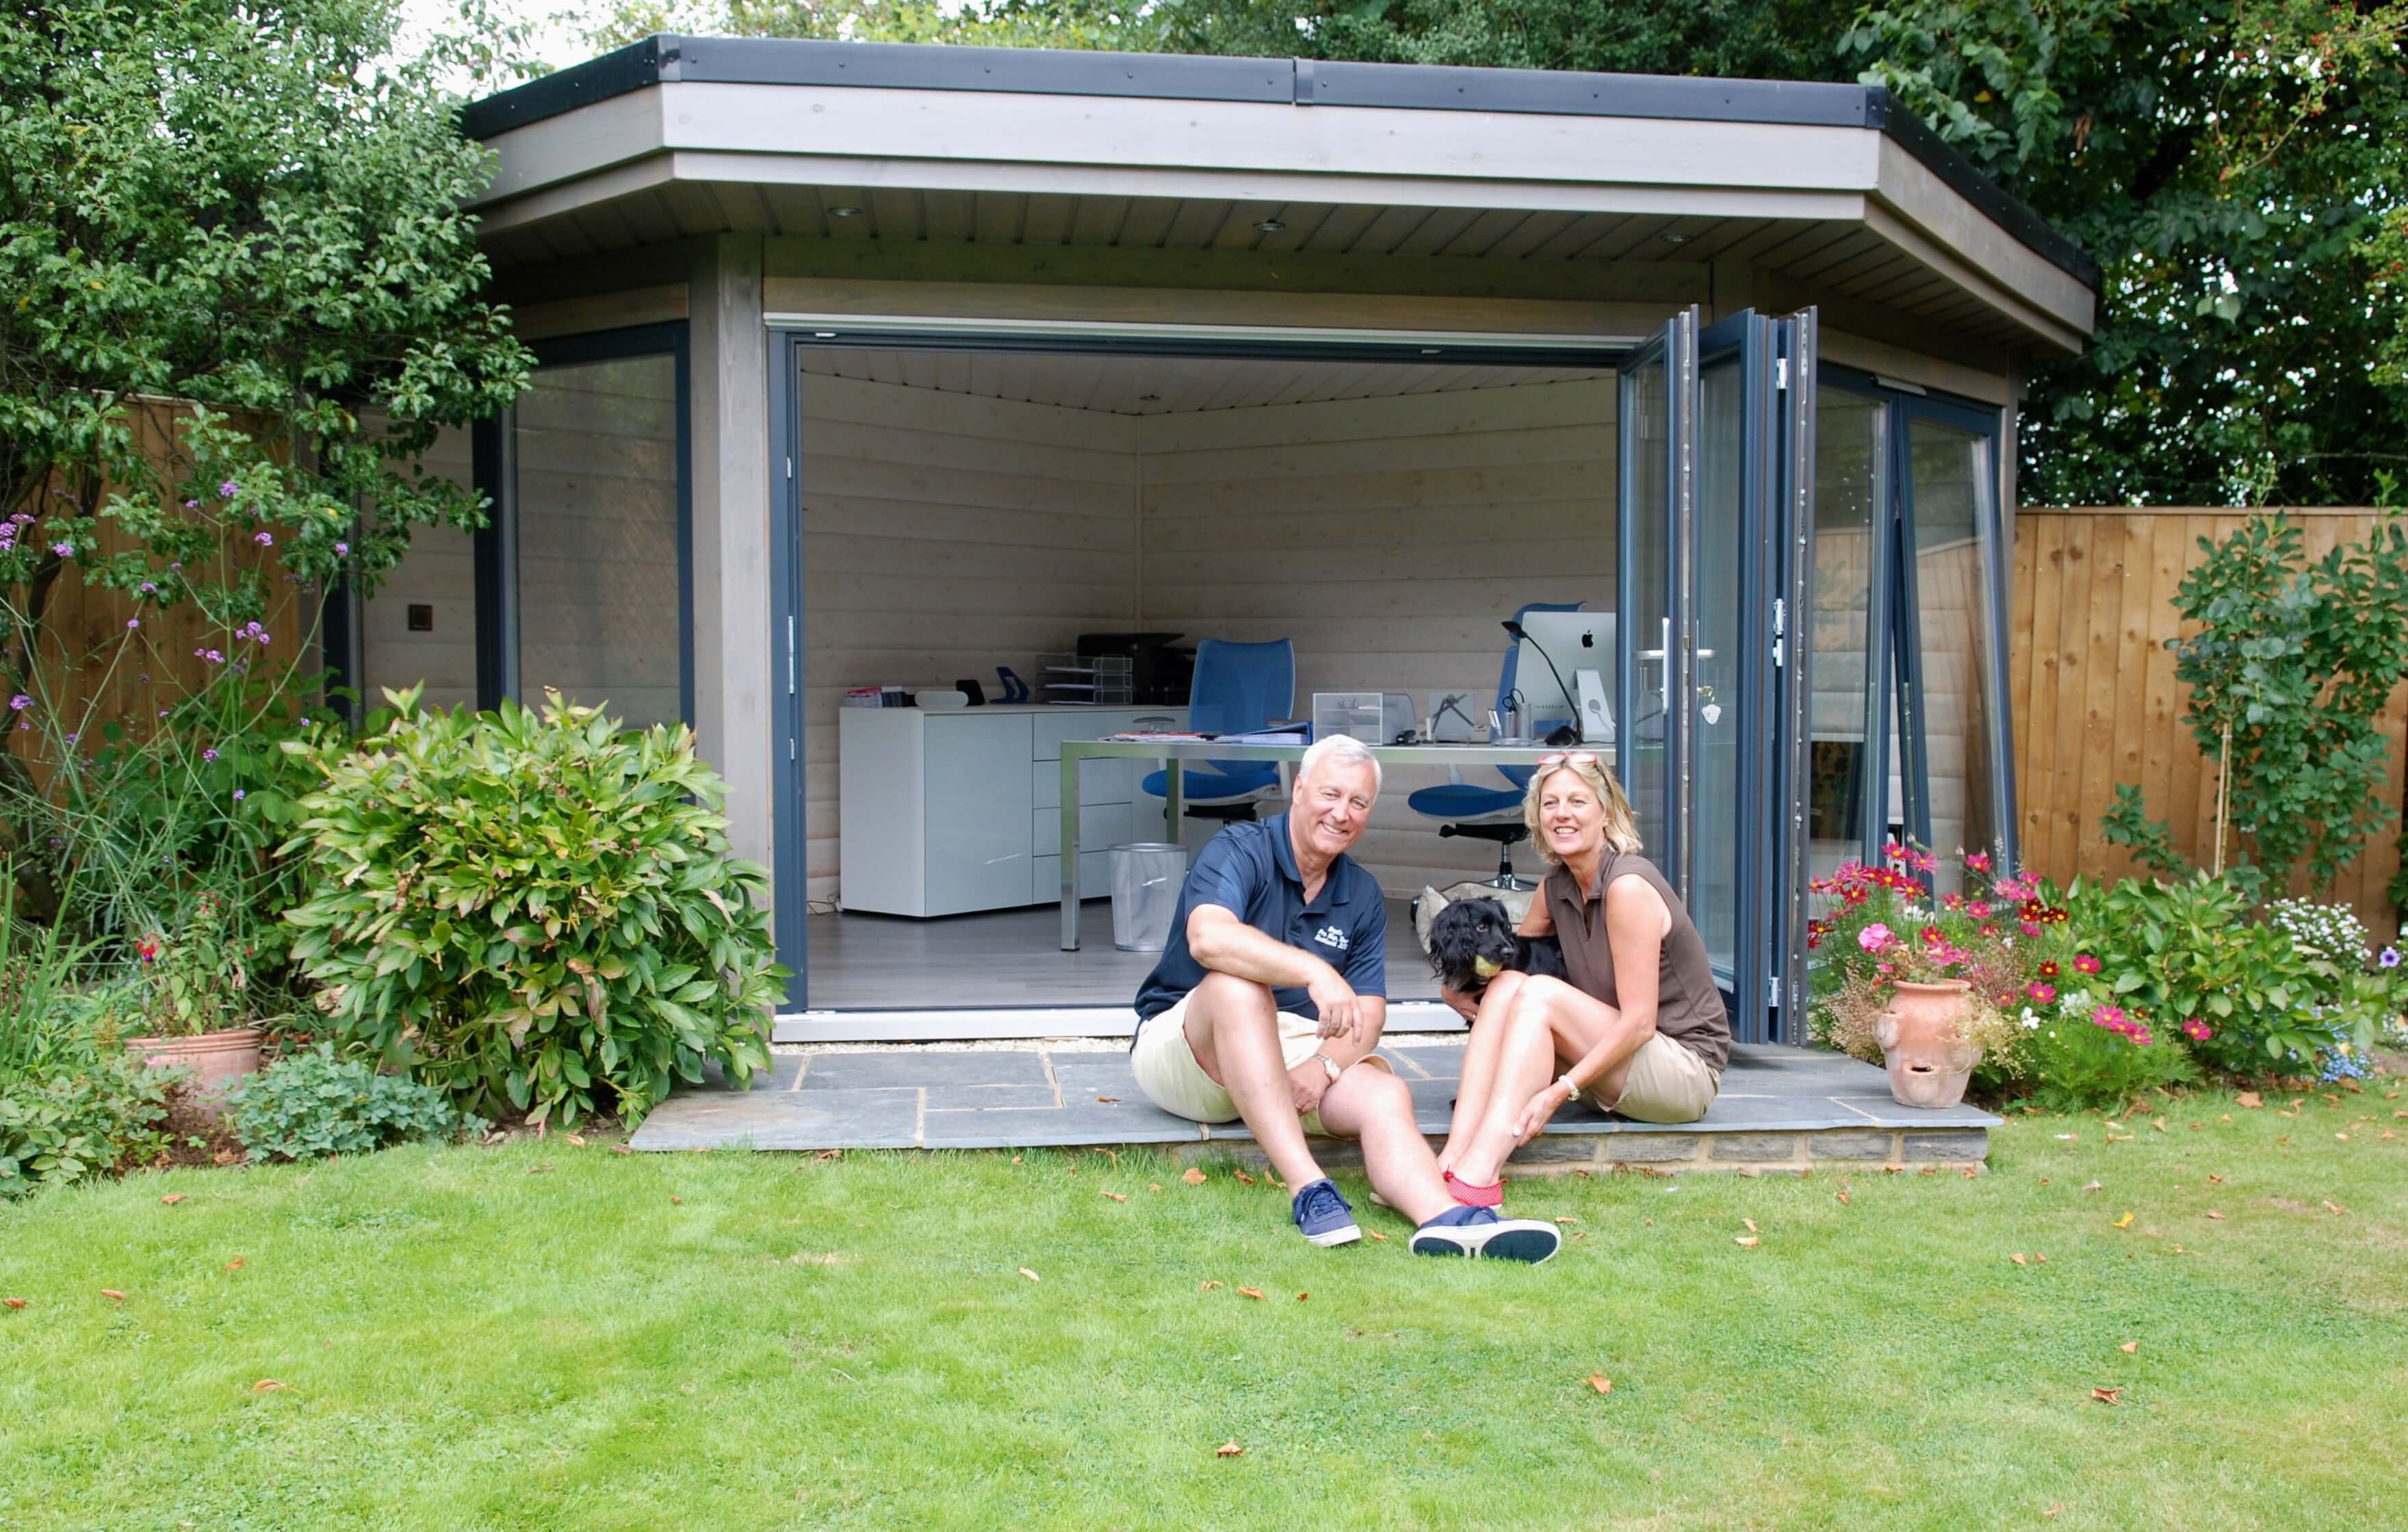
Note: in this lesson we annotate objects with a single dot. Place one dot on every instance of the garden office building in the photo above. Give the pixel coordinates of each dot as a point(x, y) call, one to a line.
point(1189, 393)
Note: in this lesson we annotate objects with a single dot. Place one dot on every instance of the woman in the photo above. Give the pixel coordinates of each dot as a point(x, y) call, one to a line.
point(1640, 1030)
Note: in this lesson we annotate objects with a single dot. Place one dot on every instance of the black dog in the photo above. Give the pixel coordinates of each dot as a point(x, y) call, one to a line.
point(1473, 941)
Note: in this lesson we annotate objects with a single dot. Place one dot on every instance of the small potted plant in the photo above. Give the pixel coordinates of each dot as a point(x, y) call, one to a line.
point(188, 1003)
point(1923, 980)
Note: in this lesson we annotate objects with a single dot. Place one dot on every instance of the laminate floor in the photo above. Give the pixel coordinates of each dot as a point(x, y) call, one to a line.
point(1014, 957)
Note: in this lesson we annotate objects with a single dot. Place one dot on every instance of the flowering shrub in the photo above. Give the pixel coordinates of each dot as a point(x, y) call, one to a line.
point(533, 912)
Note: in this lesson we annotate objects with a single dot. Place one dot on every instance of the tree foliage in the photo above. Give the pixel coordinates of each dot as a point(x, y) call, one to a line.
point(240, 208)
point(2235, 168)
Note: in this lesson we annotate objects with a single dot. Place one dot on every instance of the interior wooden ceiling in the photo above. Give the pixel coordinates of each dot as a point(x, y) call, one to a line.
point(1837, 255)
point(1162, 385)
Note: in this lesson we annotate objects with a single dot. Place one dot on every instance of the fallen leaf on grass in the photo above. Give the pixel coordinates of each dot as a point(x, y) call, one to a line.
point(2212, 1213)
point(1194, 1177)
point(2128, 1347)
point(1117, 1196)
point(620, 1148)
point(1841, 1196)
point(2124, 1222)
point(2250, 1100)
point(2333, 1207)
point(677, 1199)
point(1746, 1241)
point(1254, 1292)
point(1377, 1235)
point(2343, 1137)
point(538, 1170)
point(1567, 1218)
point(575, 1142)
point(13, 1303)
point(1302, 1297)
point(1153, 1186)
point(1030, 1275)
point(2037, 1256)
point(1229, 1449)
point(2019, 1258)
point(173, 1197)
point(2094, 1186)
point(2215, 1181)
point(2157, 1123)
point(1243, 1179)
point(235, 1265)
point(2108, 1396)
point(826, 1155)
point(1600, 1382)
point(1210, 1283)
point(267, 1385)
point(1750, 1222)
point(2388, 1134)
point(113, 1294)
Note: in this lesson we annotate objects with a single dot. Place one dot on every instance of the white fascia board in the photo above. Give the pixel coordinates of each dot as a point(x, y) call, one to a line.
point(574, 145)
point(1908, 189)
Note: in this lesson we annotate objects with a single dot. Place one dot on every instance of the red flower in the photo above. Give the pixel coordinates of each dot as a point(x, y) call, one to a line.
point(1933, 935)
point(2048, 970)
point(1978, 861)
point(2197, 1030)
point(149, 948)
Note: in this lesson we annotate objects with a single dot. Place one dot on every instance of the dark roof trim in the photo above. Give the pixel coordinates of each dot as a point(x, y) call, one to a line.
point(1303, 82)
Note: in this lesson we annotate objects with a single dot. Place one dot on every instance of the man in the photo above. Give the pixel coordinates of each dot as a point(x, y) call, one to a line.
point(1269, 1001)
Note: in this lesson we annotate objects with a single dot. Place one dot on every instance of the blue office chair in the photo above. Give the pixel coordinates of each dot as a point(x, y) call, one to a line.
point(1489, 813)
point(1237, 688)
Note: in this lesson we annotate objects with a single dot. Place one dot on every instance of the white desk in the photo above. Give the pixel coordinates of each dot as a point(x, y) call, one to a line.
point(1173, 752)
point(943, 813)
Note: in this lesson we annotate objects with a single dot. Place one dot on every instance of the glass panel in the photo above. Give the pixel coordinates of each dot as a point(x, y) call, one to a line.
point(1952, 485)
point(597, 537)
point(1647, 607)
point(1844, 670)
point(1722, 540)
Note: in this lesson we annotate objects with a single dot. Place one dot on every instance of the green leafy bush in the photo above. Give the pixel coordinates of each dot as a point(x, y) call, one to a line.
point(70, 1122)
point(309, 1105)
point(2075, 1064)
point(533, 912)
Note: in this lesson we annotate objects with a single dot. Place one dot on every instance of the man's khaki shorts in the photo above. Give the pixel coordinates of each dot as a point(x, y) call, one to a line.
point(1167, 1073)
point(1667, 1083)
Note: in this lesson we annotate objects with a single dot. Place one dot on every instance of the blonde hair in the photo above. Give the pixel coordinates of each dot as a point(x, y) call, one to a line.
point(1620, 825)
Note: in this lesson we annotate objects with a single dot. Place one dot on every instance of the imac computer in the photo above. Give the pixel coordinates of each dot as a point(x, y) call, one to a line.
point(1579, 684)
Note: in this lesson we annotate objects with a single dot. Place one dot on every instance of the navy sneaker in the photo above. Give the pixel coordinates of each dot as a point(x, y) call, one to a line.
point(1323, 1216)
point(1478, 1232)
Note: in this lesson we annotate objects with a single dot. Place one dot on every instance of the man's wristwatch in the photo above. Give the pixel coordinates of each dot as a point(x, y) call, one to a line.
point(1329, 1066)
point(1571, 1087)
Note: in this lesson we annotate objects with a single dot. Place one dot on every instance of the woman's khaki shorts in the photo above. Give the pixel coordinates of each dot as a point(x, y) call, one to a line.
point(1167, 1073)
point(1667, 1083)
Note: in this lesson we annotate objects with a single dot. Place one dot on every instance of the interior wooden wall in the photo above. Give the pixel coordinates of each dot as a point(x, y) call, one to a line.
point(944, 533)
point(1388, 537)
point(2093, 697)
point(98, 670)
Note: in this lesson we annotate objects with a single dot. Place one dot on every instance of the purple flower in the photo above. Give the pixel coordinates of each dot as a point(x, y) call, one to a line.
point(191, 505)
point(20, 703)
point(73, 737)
point(133, 621)
point(209, 755)
point(264, 540)
point(237, 794)
point(228, 489)
point(2388, 958)
point(64, 549)
point(343, 550)
point(150, 589)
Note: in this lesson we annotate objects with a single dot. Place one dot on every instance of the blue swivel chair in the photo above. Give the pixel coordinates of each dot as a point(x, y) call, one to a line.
point(1237, 688)
point(1489, 813)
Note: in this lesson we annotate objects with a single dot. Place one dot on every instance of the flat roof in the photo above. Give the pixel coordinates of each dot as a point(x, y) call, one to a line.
point(1296, 82)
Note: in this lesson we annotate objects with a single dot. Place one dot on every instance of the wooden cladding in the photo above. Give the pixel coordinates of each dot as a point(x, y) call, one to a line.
point(2095, 702)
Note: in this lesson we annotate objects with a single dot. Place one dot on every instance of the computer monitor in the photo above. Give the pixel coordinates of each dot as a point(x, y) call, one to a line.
point(1576, 641)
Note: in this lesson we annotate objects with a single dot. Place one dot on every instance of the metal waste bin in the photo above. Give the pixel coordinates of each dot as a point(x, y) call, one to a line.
point(1146, 879)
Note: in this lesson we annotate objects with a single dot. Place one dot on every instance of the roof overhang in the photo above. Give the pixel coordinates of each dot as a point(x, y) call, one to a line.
point(1828, 185)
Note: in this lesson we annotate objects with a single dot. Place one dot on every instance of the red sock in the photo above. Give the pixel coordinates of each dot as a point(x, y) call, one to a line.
point(1490, 1195)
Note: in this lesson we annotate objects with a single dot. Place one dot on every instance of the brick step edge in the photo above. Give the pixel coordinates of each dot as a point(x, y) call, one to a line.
point(1669, 1153)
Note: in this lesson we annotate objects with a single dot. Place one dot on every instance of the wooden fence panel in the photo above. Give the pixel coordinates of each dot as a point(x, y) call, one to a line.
point(2095, 703)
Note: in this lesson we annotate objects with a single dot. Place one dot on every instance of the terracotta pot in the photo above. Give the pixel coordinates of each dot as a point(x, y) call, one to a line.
point(1922, 1036)
point(217, 1059)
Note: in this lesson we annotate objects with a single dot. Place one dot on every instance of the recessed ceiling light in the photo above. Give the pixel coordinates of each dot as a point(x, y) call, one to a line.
point(1676, 239)
point(844, 212)
point(823, 335)
point(1269, 226)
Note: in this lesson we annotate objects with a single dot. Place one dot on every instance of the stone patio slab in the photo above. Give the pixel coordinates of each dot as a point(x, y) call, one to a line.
point(1781, 1109)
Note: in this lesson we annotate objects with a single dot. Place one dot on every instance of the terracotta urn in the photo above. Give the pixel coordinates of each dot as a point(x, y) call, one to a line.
point(217, 1059)
point(1922, 1036)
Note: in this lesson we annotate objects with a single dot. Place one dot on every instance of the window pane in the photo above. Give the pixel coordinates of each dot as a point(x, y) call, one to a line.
point(1721, 544)
point(1951, 487)
point(597, 537)
point(1848, 490)
point(1647, 607)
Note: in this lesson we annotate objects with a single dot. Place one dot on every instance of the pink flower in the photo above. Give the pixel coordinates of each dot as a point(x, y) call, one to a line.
point(2109, 1017)
point(1978, 861)
point(2085, 963)
point(1873, 938)
point(1979, 909)
point(2030, 928)
point(2197, 1030)
point(2042, 994)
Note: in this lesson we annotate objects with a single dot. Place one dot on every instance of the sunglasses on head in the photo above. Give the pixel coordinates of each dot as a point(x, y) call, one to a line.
point(1571, 758)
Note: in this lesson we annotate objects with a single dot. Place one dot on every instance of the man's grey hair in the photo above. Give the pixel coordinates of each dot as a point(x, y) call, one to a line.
point(1339, 750)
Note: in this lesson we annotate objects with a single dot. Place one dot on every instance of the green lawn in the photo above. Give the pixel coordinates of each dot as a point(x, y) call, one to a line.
point(545, 1336)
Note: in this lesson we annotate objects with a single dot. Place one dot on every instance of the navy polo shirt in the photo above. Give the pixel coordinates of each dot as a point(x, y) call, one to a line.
point(1249, 869)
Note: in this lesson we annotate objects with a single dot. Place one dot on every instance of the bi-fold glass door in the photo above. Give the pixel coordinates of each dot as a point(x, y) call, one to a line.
point(1718, 427)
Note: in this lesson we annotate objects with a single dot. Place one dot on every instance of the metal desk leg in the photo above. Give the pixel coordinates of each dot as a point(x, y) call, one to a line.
point(1070, 851)
point(1174, 789)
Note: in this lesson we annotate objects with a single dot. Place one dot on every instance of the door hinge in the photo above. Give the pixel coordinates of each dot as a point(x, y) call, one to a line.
point(1779, 659)
point(790, 467)
point(789, 747)
point(790, 655)
point(1772, 992)
point(1779, 616)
